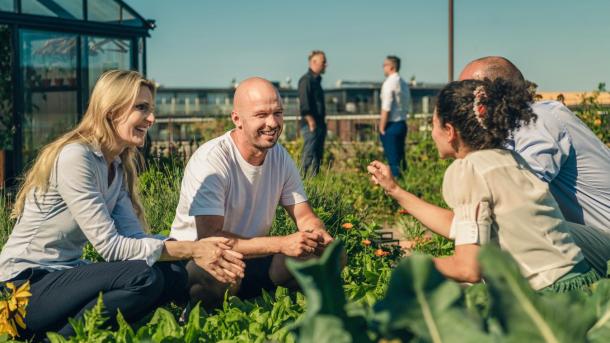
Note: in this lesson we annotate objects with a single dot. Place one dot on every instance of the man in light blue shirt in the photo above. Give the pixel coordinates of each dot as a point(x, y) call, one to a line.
point(560, 149)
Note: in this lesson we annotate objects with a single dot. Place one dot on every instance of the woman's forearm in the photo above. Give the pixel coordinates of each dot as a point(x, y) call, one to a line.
point(435, 218)
point(177, 250)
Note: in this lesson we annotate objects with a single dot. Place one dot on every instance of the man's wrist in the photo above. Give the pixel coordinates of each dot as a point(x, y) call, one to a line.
point(190, 250)
point(279, 244)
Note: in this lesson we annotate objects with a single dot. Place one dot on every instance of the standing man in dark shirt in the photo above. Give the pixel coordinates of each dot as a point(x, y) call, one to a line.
point(313, 113)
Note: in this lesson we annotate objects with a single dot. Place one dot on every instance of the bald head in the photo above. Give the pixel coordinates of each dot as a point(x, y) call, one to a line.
point(254, 90)
point(491, 67)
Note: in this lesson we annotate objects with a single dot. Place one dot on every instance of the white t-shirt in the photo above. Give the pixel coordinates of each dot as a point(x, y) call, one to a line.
point(219, 181)
point(395, 97)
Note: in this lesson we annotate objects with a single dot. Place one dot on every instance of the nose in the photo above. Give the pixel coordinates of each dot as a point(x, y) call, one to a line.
point(273, 121)
point(151, 118)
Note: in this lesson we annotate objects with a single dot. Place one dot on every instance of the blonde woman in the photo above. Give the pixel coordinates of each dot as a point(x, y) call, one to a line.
point(83, 188)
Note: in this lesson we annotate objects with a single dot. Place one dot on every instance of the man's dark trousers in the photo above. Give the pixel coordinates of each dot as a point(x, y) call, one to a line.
point(313, 149)
point(393, 142)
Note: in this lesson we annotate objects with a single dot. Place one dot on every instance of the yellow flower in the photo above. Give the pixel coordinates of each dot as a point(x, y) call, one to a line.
point(6, 324)
point(12, 308)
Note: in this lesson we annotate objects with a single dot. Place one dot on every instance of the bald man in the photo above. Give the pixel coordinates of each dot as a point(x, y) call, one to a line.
point(565, 153)
point(231, 188)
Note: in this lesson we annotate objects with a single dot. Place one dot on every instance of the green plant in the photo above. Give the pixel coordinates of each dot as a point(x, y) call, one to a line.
point(596, 115)
point(421, 305)
point(6, 223)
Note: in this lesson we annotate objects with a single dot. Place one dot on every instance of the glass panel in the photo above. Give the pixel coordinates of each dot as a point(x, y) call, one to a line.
point(7, 5)
point(6, 90)
point(69, 9)
point(50, 98)
point(106, 54)
point(111, 12)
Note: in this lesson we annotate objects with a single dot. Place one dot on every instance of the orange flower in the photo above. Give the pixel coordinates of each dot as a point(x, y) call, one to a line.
point(381, 252)
point(347, 226)
point(597, 122)
point(366, 242)
point(403, 211)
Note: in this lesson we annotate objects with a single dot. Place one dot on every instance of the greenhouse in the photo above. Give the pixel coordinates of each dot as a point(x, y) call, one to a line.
point(51, 53)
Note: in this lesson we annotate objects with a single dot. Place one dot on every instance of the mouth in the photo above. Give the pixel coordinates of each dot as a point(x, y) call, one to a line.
point(141, 130)
point(268, 133)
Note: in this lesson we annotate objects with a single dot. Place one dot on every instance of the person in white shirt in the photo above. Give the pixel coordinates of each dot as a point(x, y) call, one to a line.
point(395, 98)
point(231, 188)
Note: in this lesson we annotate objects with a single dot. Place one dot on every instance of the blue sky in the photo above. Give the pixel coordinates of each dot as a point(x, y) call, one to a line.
point(559, 44)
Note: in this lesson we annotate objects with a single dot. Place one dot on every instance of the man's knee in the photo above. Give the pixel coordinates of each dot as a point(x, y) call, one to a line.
point(204, 287)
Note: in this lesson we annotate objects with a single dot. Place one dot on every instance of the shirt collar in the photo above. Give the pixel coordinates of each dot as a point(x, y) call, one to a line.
point(313, 75)
point(98, 152)
point(394, 74)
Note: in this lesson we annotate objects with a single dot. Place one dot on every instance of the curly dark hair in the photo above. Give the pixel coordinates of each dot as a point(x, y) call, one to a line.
point(507, 107)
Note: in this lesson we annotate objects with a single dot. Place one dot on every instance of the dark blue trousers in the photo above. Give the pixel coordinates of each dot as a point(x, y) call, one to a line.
point(130, 286)
point(393, 142)
point(313, 149)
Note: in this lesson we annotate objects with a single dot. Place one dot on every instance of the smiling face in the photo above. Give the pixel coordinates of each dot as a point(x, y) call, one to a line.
point(258, 114)
point(132, 126)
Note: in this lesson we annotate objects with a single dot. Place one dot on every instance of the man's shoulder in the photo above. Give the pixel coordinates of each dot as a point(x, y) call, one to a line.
point(215, 150)
point(555, 117)
point(306, 78)
point(394, 80)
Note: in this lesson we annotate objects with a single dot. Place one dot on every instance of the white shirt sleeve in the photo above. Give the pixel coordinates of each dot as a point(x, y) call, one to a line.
point(293, 191)
point(206, 184)
point(77, 183)
point(386, 96)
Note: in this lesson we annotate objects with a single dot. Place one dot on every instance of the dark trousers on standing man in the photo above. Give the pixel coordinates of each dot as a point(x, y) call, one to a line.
point(393, 142)
point(313, 149)
point(132, 287)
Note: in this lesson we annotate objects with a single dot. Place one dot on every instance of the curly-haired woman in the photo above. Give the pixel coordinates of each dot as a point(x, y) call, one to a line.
point(494, 196)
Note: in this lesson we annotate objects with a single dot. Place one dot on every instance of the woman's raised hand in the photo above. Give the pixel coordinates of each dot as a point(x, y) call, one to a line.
point(382, 175)
point(215, 256)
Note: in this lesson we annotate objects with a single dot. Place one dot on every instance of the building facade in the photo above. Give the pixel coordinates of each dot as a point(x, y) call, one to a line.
point(352, 109)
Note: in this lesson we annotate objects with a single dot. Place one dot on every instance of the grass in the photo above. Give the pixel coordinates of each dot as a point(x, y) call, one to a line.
point(341, 193)
point(6, 223)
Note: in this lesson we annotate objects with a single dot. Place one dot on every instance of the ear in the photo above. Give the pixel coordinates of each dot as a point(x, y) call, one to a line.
point(236, 120)
point(452, 134)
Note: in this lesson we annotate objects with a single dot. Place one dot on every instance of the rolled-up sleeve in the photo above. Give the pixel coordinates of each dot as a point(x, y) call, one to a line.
point(78, 185)
point(466, 192)
point(304, 96)
point(386, 96)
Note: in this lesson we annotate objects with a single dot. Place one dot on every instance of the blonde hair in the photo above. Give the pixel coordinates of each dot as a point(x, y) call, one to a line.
point(112, 97)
